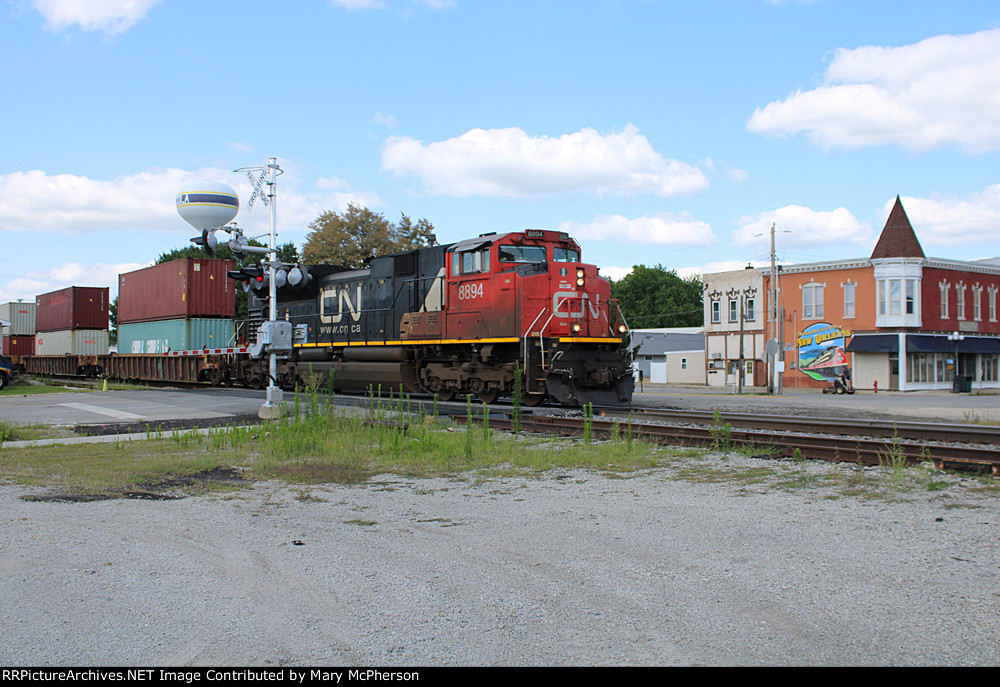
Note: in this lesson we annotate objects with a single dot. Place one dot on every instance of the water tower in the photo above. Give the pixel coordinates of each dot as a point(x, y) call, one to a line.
point(207, 206)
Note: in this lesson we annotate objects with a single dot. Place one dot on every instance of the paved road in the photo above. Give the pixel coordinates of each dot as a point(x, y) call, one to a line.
point(139, 406)
point(163, 405)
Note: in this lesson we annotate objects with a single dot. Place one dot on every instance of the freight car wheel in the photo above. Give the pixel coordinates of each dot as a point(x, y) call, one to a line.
point(533, 399)
point(445, 395)
point(488, 396)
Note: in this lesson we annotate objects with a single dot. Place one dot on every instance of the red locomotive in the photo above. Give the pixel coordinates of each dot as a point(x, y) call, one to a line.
point(460, 319)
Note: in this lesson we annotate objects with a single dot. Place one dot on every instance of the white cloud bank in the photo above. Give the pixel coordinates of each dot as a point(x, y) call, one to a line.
point(947, 220)
point(510, 163)
point(67, 203)
point(800, 227)
point(664, 228)
point(943, 90)
point(28, 286)
point(109, 16)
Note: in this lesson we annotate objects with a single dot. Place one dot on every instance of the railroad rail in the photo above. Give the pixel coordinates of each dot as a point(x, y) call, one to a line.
point(954, 447)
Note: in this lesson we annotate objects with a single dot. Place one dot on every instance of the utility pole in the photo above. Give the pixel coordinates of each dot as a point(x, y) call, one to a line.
point(773, 315)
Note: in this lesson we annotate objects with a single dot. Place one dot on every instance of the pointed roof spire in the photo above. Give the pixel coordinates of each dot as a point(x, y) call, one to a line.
point(898, 240)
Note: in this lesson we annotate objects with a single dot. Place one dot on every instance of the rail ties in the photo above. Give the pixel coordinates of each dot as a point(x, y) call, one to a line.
point(868, 442)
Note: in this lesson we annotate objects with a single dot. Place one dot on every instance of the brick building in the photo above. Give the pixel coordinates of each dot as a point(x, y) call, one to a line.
point(898, 319)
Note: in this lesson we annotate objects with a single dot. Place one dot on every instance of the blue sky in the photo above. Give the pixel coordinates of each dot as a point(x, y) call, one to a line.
point(669, 132)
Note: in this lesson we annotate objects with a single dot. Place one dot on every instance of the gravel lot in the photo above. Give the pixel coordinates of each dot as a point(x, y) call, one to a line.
point(662, 568)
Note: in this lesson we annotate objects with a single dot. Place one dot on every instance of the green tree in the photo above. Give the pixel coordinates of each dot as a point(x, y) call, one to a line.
point(358, 234)
point(654, 297)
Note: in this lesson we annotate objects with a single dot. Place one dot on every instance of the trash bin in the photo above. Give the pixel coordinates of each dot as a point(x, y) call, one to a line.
point(961, 384)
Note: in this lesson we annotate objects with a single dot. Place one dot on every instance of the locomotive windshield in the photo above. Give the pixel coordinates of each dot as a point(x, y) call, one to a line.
point(528, 254)
point(565, 255)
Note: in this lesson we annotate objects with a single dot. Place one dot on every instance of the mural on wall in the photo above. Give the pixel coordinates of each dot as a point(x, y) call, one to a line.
point(821, 351)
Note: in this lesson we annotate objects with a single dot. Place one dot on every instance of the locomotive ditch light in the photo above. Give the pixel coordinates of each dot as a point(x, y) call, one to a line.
point(576, 327)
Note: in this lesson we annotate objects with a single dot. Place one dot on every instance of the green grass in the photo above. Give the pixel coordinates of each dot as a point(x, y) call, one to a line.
point(311, 445)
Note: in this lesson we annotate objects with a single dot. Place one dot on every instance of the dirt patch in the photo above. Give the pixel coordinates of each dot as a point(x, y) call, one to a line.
point(164, 490)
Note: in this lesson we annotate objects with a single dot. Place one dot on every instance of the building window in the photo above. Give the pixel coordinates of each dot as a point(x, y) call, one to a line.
point(977, 292)
point(684, 363)
point(911, 296)
point(849, 299)
point(750, 310)
point(894, 296)
point(716, 312)
point(944, 300)
point(960, 304)
point(812, 301)
point(991, 296)
point(733, 310)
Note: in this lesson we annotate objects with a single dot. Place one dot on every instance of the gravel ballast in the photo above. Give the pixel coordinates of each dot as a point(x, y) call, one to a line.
point(779, 564)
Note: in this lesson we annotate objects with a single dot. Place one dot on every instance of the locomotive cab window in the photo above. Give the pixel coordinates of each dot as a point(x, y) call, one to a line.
point(529, 254)
point(470, 262)
point(565, 255)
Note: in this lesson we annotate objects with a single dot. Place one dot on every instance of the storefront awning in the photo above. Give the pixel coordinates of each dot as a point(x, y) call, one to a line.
point(922, 343)
point(874, 343)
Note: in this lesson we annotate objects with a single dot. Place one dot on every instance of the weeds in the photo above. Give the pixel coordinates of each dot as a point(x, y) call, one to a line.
point(721, 433)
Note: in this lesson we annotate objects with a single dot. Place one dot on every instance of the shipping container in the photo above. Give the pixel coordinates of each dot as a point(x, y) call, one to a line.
point(19, 345)
point(21, 316)
point(76, 307)
point(179, 289)
point(164, 336)
point(72, 342)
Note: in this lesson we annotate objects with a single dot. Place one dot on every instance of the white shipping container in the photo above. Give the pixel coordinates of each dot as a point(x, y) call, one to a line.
point(72, 342)
point(21, 316)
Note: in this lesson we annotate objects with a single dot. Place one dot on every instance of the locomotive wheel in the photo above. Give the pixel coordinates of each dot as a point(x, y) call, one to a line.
point(488, 396)
point(445, 395)
point(533, 399)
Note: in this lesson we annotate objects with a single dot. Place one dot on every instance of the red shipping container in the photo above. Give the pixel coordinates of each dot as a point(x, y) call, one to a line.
point(180, 289)
point(19, 345)
point(76, 307)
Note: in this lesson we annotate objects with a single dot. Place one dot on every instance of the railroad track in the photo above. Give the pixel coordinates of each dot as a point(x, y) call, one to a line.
point(955, 447)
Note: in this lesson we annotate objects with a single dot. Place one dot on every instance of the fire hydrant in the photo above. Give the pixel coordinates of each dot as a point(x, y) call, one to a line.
point(875, 385)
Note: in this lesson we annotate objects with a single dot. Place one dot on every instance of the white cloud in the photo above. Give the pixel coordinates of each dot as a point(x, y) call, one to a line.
point(30, 285)
point(664, 228)
point(388, 121)
point(509, 162)
point(943, 90)
point(801, 227)
point(358, 4)
point(109, 16)
point(67, 203)
point(947, 220)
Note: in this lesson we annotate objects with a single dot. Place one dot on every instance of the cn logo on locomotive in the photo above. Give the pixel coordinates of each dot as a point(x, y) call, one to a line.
point(338, 298)
point(562, 304)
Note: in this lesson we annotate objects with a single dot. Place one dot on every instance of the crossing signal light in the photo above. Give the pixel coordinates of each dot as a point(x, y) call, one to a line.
point(251, 277)
point(207, 240)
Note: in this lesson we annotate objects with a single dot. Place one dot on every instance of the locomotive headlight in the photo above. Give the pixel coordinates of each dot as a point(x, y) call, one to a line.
point(579, 277)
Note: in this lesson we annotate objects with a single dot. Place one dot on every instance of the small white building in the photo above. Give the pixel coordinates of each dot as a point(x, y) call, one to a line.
point(670, 356)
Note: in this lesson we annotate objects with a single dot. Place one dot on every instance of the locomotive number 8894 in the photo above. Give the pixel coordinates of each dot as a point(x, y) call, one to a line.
point(461, 319)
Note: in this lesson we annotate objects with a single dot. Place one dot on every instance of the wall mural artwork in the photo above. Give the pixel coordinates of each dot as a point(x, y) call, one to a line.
point(821, 351)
